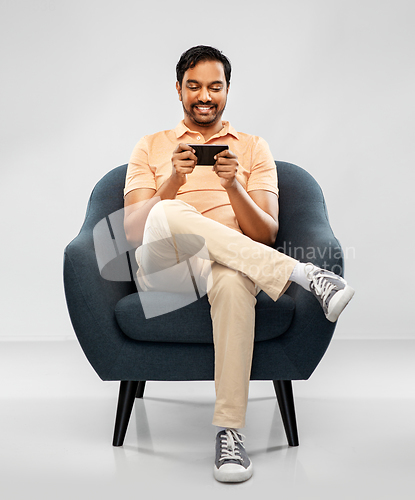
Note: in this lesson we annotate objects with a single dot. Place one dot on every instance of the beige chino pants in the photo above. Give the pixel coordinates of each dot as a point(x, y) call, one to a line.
point(182, 248)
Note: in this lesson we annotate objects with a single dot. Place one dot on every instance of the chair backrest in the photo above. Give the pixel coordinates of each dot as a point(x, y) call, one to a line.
point(299, 192)
point(106, 197)
point(304, 228)
point(301, 204)
point(300, 200)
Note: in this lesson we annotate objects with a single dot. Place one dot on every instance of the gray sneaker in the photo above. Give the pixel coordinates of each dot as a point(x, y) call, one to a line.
point(232, 464)
point(331, 290)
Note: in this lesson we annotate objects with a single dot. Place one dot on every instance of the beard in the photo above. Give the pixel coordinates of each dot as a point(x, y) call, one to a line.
point(204, 121)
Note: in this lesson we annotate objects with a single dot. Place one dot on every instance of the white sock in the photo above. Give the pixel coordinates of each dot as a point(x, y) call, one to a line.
point(299, 276)
point(220, 429)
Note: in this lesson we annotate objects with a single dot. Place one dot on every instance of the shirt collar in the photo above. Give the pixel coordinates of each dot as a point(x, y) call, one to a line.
point(182, 129)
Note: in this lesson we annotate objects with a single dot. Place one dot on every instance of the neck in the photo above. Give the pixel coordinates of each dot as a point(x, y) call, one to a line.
point(207, 132)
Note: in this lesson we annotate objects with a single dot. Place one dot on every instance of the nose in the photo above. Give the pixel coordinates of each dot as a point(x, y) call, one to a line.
point(204, 95)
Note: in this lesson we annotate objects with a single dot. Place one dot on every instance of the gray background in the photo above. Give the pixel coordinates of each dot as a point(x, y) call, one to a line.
point(328, 83)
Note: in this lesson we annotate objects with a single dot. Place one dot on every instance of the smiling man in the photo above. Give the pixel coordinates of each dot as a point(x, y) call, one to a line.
point(221, 221)
point(203, 94)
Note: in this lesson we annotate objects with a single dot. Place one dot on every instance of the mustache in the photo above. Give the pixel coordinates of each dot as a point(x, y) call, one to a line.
point(204, 104)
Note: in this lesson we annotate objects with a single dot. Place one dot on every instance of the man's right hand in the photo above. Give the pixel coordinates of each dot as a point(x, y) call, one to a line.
point(183, 162)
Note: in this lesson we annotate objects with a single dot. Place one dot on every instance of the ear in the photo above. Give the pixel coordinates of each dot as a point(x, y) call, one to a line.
point(179, 90)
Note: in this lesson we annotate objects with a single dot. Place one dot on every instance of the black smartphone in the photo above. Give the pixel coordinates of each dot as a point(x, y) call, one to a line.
point(205, 152)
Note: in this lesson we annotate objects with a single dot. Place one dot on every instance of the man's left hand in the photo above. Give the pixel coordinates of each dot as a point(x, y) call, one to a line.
point(226, 167)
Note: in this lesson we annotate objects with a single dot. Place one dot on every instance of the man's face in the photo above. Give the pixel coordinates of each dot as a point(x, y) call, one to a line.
point(203, 94)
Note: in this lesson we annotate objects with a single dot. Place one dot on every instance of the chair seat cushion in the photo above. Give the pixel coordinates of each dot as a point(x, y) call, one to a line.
point(192, 323)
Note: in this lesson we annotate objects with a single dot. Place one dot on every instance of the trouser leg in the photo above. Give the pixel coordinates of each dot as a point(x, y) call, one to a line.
point(265, 266)
point(232, 300)
point(240, 268)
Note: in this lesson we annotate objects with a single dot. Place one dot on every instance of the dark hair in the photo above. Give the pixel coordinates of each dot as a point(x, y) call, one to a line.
point(192, 56)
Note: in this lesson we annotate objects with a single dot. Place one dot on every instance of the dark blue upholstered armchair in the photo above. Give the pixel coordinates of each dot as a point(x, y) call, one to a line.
point(292, 334)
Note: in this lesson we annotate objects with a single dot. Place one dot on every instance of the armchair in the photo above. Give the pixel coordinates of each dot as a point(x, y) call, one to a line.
point(292, 334)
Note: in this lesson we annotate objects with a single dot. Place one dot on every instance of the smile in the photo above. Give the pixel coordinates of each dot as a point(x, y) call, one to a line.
point(204, 109)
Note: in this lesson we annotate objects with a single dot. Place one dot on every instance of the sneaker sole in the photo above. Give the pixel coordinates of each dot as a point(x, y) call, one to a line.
point(232, 473)
point(341, 303)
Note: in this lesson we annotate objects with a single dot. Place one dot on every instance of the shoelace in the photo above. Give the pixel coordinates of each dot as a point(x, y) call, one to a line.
point(229, 450)
point(322, 286)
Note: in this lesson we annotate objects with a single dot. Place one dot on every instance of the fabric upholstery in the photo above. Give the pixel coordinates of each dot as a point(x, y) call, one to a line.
point(107, 333)
point(193, 324)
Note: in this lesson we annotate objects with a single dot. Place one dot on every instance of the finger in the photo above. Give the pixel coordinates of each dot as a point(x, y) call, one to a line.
point(186, 154)
point(184, 170)
point(186, 163)
point(227, 162)
point(183, 147)
point(226, 159)
point(225, 175)
point(225, 170)
point(186, 147)
point(226, 153)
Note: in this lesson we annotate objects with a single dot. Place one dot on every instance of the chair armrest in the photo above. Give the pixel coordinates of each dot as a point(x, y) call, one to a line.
point(310, 333)
point(91, 302)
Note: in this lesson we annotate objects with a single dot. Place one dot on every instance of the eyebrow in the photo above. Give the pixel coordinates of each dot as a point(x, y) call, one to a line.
point(216, 82)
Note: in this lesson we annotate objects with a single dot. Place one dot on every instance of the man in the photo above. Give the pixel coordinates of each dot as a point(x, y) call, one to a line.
point(222, 222)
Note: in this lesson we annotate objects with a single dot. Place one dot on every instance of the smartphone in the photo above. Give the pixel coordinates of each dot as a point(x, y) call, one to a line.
point(205, 152)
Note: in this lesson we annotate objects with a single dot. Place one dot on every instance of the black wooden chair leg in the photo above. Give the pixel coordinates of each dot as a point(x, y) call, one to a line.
point(284, 392)
point(126, 398)
point(140, 389)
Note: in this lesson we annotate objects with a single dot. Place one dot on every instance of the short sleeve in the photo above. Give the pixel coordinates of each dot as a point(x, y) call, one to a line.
point(139, 174)
point(263, 173)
